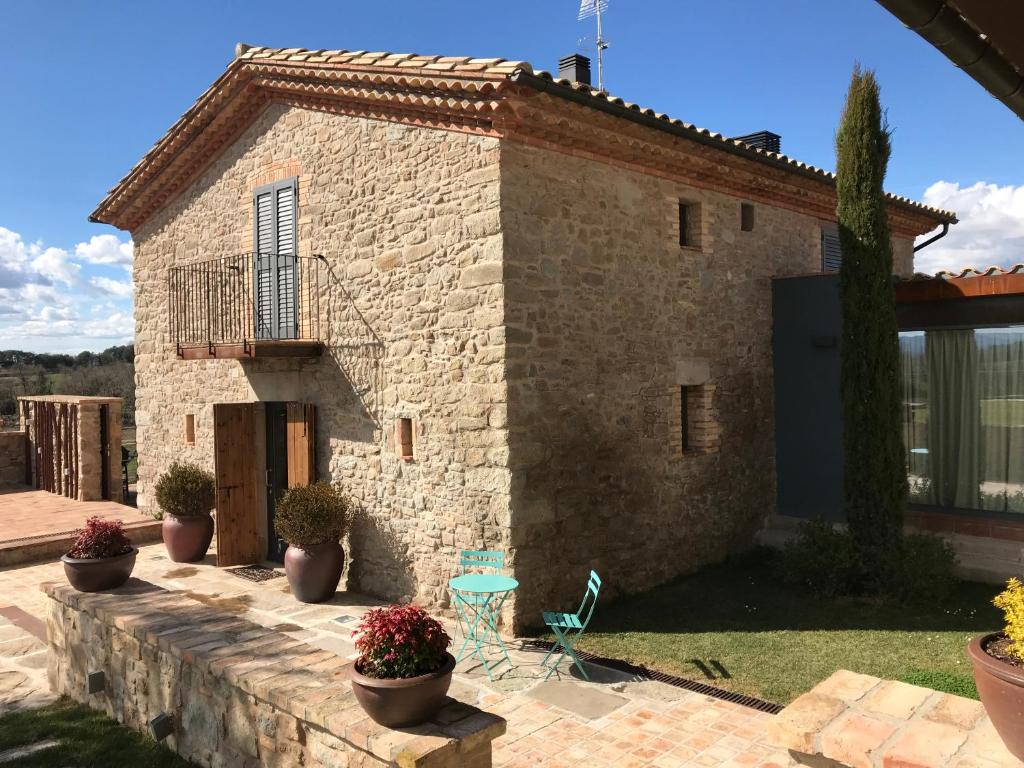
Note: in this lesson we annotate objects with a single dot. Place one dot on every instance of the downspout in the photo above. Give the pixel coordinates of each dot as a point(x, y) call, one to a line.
point(933, 238)
point(943, 26)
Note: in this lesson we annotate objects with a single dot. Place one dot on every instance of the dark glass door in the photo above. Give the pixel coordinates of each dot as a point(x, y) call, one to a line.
point(277, 473)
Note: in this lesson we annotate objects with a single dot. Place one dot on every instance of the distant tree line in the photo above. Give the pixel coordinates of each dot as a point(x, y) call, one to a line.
point(110, 373)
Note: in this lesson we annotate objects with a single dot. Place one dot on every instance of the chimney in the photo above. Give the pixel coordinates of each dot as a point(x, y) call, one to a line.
point(575, 67)
point(767, 140)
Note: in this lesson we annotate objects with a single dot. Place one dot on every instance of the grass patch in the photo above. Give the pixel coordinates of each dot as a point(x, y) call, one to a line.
point(88, 739)
point(736, 626)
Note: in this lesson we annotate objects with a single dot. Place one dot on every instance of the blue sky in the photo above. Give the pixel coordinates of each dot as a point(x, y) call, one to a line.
point(88, 87)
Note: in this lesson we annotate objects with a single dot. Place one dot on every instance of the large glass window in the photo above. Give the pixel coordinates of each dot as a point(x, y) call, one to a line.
point(963, 417)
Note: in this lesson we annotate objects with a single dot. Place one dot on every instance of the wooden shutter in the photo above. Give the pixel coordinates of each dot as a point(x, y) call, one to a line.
point(286, 283)
point(831, 252)
point(234, 437)
point(301, 444)
point(275, 242)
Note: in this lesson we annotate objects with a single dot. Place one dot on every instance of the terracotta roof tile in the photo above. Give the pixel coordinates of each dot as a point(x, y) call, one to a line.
point(972, 272)
point(464, 68)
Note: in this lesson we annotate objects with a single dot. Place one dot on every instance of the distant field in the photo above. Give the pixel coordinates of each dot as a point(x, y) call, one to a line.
point(1004, 412)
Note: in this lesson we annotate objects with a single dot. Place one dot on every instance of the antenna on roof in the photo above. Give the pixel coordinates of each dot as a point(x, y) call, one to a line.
point(590, 8)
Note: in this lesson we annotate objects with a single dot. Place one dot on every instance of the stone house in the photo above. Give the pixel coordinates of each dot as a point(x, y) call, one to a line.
point(500, 309)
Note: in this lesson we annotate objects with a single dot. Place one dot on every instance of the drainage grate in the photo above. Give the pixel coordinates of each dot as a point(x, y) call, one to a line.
point(679, 682)
point(255, 573)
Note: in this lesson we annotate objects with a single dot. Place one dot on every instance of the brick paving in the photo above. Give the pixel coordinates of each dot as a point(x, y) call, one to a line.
point(26, 513)
point(653, 724)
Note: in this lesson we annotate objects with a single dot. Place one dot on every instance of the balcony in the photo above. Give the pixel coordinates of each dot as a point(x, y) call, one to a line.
point(247, 306)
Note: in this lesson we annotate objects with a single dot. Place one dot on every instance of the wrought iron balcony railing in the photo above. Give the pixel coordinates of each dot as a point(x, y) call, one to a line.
point(248, 302)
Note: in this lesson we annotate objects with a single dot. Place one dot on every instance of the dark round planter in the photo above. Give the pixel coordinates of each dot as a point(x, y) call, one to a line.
point(314, 572)
point(97, 575)
point(1001, 688)
point(187, 538)
point(402, 703)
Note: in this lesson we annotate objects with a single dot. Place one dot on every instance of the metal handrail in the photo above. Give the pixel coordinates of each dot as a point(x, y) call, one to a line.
point(219, 301)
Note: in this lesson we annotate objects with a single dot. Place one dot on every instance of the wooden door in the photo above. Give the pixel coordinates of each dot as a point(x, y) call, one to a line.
point(234, 435)
point(301, 444)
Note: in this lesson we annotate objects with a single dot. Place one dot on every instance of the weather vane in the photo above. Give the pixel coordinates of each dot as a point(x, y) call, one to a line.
point(590, 8)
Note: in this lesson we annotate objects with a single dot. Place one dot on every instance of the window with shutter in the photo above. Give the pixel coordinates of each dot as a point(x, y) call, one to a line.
point(275, 273)
point(831, 253)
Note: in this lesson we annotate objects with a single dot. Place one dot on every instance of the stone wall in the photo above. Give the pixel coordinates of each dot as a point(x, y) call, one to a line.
point(12, 457)
point(238, 694)
point(408, 219)
point(608, 319)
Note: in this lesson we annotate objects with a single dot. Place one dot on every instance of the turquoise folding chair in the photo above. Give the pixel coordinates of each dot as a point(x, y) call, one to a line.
point(569, 627)
point(475, 561)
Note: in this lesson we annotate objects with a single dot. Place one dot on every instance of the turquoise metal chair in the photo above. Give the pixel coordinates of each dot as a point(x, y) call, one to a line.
point(569, 627)
point(475, 561)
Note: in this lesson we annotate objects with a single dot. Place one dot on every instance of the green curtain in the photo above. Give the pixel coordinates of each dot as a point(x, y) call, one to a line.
point(1001, 365)
point(914, 385)
point(954, 418)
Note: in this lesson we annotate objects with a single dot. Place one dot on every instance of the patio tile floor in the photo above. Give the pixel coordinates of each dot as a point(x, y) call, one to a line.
point(653, 725)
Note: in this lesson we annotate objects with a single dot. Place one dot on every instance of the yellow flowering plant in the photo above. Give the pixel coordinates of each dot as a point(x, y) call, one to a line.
point(1011, 602)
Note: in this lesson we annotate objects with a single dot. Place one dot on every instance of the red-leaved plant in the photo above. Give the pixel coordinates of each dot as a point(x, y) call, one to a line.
point(400, 641)
point(99, 539)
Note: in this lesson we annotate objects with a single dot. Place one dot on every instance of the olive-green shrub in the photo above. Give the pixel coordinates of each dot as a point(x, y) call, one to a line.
point(185, 490)
point(312, 514)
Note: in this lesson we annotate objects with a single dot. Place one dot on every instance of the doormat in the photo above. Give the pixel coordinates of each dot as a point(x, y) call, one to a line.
point(256, 573)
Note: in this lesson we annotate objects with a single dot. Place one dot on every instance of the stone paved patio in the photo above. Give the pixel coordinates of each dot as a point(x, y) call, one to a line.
point(613, 721)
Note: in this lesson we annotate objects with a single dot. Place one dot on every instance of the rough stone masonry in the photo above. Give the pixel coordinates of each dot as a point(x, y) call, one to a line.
point(584, 391)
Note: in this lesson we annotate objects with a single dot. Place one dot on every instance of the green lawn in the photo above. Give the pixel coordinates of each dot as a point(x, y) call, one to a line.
point(87, 739)
point(737, 627)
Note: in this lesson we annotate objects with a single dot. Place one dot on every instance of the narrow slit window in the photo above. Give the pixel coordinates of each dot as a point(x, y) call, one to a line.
point(684, 420)
point(403, 438)
point(747, 217)
point(190, 428)
point(684, 224)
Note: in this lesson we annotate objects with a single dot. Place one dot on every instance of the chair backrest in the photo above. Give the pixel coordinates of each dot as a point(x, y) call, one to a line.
point(590, 596)
point(481, 560)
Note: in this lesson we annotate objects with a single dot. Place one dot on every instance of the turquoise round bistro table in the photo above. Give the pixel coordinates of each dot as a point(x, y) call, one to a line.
point(478, 601)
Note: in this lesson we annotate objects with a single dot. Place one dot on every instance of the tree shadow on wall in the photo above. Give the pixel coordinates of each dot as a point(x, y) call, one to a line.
point(381, 562)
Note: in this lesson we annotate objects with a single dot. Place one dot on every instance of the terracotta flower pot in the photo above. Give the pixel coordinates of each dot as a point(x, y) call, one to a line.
point(97, 575)
point(406, 702)
point(1001, 688)
point(314, 571)
point(187, 538)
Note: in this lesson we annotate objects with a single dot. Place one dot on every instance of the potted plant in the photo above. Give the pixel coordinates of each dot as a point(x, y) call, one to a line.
point(102, 557)
point(998, 660)
point(185, 494)
point(402, 675)
point(312, 519)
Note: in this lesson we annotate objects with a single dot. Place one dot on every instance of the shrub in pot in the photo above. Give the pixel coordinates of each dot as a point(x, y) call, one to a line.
point(185, 494)
point(998, 660)
point(101, 558)
point(312, 519)
point(402, 675)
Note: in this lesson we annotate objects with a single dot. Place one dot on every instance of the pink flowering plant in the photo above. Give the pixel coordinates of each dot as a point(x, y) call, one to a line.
point(400, 641)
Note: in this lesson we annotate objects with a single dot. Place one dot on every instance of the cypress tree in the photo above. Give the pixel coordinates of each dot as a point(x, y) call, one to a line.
point(875, 480)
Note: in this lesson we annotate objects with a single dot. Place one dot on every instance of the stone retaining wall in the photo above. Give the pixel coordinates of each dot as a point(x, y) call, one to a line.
point(12, 458)
point(239, 694)
point(859, 720)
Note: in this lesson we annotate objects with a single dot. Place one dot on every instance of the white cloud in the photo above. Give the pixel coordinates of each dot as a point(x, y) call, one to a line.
point(45, 291)
point(55, 264)
point(120, 288)
point(990, 231)
point(105, 249)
